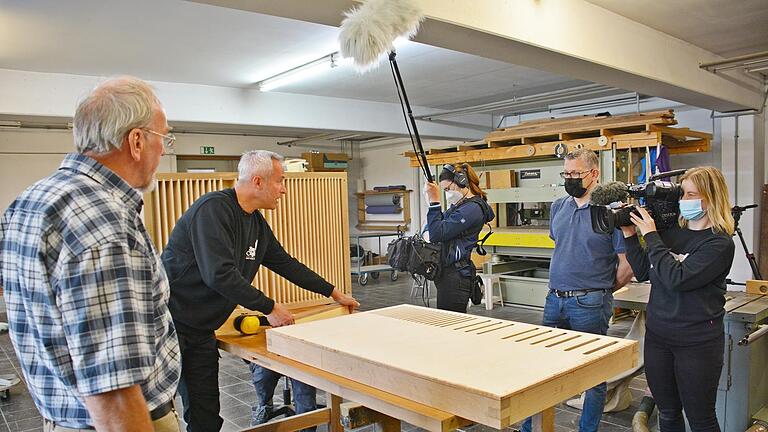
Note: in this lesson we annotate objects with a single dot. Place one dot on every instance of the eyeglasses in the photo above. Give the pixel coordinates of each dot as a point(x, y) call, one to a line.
point(573, 174)
point(168, 140)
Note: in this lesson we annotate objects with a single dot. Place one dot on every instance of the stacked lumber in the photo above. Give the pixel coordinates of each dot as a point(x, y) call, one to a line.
point(550, 137)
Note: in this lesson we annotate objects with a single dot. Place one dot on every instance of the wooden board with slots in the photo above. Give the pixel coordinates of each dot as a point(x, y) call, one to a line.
point(490, 371)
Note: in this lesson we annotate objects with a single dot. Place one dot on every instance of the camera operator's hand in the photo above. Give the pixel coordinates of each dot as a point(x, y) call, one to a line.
point(629, 231)
point(433, 192)
point(644, 222)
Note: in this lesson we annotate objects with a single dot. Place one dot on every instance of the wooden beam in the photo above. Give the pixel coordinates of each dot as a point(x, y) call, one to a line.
point(680, 132)
point(697, 146)
point(471, 146)
point(584, 126)
point(757, 287)
point(294, 423)
point(544, 421)
point(334, 403)
point(354, 416)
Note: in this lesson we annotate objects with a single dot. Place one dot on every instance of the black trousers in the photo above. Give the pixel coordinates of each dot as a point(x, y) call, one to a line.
point(199, 383)
point(453, 290)
point(684, 378)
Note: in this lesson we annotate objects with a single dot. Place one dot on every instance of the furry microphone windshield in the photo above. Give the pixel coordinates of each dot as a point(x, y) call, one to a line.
point(369, 30)
point(609, 193)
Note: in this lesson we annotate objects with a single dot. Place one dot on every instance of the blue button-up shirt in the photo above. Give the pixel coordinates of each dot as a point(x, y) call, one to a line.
point(86, 293)
point(582, 259)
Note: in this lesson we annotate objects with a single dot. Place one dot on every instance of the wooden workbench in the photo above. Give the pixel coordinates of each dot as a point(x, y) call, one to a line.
point(254, 349)
point(577, 362)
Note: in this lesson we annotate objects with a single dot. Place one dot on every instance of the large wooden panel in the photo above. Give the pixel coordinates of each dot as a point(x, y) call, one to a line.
point(491, 371)
point(311, 222)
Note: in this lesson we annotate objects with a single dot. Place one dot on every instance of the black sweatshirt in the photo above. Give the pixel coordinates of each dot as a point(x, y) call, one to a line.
point(687, 270)
point(213, 255)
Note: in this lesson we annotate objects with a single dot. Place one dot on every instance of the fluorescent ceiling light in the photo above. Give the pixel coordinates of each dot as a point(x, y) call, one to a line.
point(303, 72)
point(10, 124)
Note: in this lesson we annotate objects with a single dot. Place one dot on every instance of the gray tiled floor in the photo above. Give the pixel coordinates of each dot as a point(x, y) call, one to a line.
point(237, 396)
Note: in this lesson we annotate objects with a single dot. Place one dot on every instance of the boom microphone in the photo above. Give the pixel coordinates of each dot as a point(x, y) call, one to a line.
point(609, 193)
point(367, 33)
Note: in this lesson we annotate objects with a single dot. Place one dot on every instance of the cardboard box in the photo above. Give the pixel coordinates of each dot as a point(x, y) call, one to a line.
point(501, 179)
point(326, 161)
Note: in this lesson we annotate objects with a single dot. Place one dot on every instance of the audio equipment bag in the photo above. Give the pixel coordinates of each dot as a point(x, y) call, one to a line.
point(415, 255)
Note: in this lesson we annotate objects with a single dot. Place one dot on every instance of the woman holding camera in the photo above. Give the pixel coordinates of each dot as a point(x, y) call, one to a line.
point(687, 266)
point(457, 231)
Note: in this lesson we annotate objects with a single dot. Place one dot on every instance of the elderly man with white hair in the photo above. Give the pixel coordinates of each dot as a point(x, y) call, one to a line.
point(85, 290)
point(212, 256)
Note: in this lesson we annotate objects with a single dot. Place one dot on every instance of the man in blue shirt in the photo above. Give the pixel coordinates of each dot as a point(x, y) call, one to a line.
point(586, 268)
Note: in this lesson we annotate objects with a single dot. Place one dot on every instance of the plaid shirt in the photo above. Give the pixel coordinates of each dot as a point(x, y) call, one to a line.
point(86, 293)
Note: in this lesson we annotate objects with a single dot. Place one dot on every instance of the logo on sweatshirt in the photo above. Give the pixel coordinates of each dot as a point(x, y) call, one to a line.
point(251, 253)
point(679, 257)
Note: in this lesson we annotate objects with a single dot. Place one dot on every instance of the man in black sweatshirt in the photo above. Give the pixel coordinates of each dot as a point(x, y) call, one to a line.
point(212, 256)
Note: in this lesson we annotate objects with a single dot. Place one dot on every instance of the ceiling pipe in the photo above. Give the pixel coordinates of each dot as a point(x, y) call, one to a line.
point(573, 92)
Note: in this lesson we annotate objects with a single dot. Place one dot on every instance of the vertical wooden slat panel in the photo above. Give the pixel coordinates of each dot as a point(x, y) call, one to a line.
point(311, 222)
point(163, 214)
point(157, 222)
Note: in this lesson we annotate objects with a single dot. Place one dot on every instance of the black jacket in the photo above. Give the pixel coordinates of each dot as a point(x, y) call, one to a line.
point(687, 270)
point(213, 255)
point(457, 229)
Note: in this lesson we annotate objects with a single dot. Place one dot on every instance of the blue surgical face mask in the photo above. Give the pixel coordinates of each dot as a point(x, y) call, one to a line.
point(691, 210)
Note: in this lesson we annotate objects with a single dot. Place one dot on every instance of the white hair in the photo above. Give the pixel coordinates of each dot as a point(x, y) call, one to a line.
point(110, 111)
point(256, 163)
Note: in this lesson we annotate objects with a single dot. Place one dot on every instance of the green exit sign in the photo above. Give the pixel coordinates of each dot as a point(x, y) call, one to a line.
point(207, 150)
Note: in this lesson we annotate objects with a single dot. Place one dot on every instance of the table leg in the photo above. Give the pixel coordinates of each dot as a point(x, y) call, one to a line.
point(544, 421)
point(334, 403)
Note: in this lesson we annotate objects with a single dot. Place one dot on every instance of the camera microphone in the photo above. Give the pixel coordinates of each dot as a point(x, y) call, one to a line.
point(609, 193)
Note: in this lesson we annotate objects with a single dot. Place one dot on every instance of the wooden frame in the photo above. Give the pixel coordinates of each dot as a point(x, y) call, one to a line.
point(311, 222)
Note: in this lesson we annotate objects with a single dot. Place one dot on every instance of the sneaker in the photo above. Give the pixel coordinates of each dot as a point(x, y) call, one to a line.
point(260, 414)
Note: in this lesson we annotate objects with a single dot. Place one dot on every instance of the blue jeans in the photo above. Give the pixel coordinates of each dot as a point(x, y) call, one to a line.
point(265, 382)
point(588, 313)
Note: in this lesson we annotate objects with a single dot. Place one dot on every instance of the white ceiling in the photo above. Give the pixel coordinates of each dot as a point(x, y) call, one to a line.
point(179, 41)
point(725, 27)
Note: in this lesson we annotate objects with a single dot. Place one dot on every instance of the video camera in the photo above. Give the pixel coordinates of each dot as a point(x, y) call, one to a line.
point(609, 208)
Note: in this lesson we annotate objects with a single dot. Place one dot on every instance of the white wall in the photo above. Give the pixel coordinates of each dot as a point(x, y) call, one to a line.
point(384, 166)
point(744, 168)
point(27, 155)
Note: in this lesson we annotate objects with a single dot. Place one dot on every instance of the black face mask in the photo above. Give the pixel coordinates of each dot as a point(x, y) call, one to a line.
point(574, 187)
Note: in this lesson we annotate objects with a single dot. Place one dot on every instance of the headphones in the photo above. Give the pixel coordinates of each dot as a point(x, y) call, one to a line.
point(459, 177)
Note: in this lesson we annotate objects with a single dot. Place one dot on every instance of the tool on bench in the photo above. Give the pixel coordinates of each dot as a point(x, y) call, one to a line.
point(250, 323)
